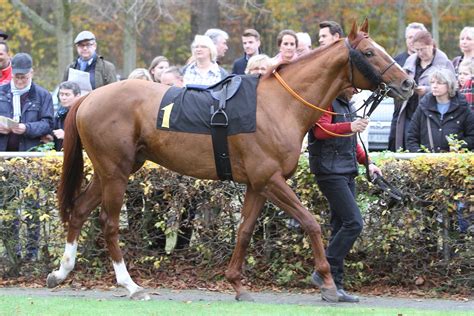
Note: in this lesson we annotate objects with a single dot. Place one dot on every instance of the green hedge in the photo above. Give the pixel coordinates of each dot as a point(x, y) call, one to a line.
point(419, 240)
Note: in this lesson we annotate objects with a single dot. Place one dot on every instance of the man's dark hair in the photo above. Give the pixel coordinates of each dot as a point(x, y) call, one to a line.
point(286, 32)
point(334, 27)
point(70, 85)
point(251, 32)
point(7, 49)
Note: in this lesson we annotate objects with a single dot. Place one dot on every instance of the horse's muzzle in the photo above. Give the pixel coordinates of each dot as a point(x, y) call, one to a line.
point(404, 91)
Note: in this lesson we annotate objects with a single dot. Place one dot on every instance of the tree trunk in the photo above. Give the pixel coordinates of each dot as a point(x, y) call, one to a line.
point(64, 40)
point(401, 21)
point(129, 45)
point(204, 15)
point(62, 29)
point(435, 21)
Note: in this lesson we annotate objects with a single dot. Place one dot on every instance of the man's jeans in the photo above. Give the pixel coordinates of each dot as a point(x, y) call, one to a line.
point(346, 220)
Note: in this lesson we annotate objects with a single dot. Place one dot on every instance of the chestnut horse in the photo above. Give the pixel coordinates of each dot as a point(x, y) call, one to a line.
point(116, 125)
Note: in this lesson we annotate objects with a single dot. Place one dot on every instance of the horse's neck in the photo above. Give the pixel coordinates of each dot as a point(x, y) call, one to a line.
point(318, 80)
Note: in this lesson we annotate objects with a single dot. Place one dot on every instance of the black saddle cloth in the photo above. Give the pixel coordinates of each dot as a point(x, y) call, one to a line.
point(189, 110)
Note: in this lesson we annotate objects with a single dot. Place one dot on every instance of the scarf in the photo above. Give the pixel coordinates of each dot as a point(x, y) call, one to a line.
point(84, 63)
point(17, 93)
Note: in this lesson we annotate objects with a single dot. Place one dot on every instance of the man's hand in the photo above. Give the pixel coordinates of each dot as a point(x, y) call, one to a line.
point(421, 90)
point(359, 125)
point(373, 169)
point(59, 133)
point(19, 129)
point(4, 130)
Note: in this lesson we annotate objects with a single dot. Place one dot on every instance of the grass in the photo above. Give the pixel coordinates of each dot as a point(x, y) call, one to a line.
point(24, 305)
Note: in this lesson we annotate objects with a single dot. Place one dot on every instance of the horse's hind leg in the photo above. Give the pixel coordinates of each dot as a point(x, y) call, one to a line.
point(251, 210)
point(280, 193)
point(113, 191)
point(85, 203)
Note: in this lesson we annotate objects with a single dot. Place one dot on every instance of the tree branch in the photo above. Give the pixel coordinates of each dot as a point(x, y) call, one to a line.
point(34, 17)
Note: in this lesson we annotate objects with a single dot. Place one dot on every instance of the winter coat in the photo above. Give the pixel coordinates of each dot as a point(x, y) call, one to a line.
point(102, 72)
point(457, 120)
point(440, 60)
point(36, 114)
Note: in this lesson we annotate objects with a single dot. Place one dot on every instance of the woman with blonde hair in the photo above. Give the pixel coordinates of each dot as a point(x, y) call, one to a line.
point(466, 44)
point(203, 70)
point(140, 73)
point(258, 65)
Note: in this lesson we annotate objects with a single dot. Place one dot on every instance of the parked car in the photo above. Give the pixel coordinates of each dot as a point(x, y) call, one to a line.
point(379, 125)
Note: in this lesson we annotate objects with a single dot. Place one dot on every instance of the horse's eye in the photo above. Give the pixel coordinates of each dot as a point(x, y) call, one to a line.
point(369, 54)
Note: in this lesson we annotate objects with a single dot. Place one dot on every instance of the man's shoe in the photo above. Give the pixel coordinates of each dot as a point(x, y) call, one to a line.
point(347, 298)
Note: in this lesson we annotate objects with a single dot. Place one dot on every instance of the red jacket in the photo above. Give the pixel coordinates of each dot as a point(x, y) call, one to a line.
point(6, 75)
point(339, 128)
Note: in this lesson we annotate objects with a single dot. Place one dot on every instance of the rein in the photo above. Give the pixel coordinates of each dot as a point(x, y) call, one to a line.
point(360, 62)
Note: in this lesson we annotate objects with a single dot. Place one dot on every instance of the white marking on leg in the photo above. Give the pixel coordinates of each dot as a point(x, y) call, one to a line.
point(124, 279)
point(67, 262)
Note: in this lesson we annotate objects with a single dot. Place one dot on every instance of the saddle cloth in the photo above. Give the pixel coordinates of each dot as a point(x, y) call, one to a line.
point(189, 110)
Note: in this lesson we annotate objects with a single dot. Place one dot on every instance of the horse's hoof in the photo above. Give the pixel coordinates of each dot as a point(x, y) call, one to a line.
point(245, 297)
point(329, 294)
point(140, 295)
point(52, 281)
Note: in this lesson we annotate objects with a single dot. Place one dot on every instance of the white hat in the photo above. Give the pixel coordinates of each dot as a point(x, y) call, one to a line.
point(84, 36)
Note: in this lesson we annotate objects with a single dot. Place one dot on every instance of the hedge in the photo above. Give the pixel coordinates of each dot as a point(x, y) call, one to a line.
point(426, 239)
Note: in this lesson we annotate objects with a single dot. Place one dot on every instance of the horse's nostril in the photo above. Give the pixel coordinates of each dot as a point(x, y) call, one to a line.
point(408, 84)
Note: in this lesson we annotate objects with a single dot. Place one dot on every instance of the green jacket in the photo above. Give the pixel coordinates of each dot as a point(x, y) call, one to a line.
point(103, 70)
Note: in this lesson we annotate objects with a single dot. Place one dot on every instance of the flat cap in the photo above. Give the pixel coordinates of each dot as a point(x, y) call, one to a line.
point(84, 36)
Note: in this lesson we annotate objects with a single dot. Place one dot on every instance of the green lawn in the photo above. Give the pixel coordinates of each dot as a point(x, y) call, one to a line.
point(23, 305)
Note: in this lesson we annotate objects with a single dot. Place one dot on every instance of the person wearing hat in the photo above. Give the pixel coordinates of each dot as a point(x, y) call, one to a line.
point(3, 36)
point(31, 107)
point(102, 72)
point(5, 64)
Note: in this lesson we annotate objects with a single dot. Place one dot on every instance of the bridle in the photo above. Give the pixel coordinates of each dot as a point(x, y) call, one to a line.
point(356, 60)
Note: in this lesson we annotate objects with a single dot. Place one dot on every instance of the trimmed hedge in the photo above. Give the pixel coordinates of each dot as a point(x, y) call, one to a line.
point(425, 239)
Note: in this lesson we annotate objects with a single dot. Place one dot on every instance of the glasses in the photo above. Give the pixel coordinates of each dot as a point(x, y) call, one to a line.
point(199, 46)
point(85, 45)
point(422, 49)
point(21, 77)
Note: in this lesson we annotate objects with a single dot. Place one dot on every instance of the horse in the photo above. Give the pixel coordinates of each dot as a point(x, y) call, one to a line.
point(116, 126)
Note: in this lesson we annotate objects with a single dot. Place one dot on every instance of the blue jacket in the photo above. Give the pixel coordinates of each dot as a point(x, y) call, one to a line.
point(36, 114)
point(240, 65)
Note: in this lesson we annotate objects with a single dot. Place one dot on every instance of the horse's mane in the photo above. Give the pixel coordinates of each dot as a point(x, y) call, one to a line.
point(310, 55)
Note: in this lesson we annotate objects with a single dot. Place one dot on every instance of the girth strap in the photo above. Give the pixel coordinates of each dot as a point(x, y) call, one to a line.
point(219, 123)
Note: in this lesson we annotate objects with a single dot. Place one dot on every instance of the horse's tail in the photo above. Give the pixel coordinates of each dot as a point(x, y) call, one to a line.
point(73, 164)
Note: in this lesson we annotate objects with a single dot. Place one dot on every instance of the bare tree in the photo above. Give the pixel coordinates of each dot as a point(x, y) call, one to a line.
point(128, 15)
point(61, 28)
point(204, 15)
point(432, 6)
point(401, 21)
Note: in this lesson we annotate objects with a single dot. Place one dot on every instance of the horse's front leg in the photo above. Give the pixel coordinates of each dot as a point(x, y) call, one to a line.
point(112, 200)
point(86, 202)
point(282, 195)
point(252, 208)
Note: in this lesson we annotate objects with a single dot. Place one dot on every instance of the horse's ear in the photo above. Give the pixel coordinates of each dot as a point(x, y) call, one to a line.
point(353, 33)
point(365, 26)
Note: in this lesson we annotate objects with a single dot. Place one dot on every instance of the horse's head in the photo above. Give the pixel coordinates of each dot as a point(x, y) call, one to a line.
point(370, 65)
